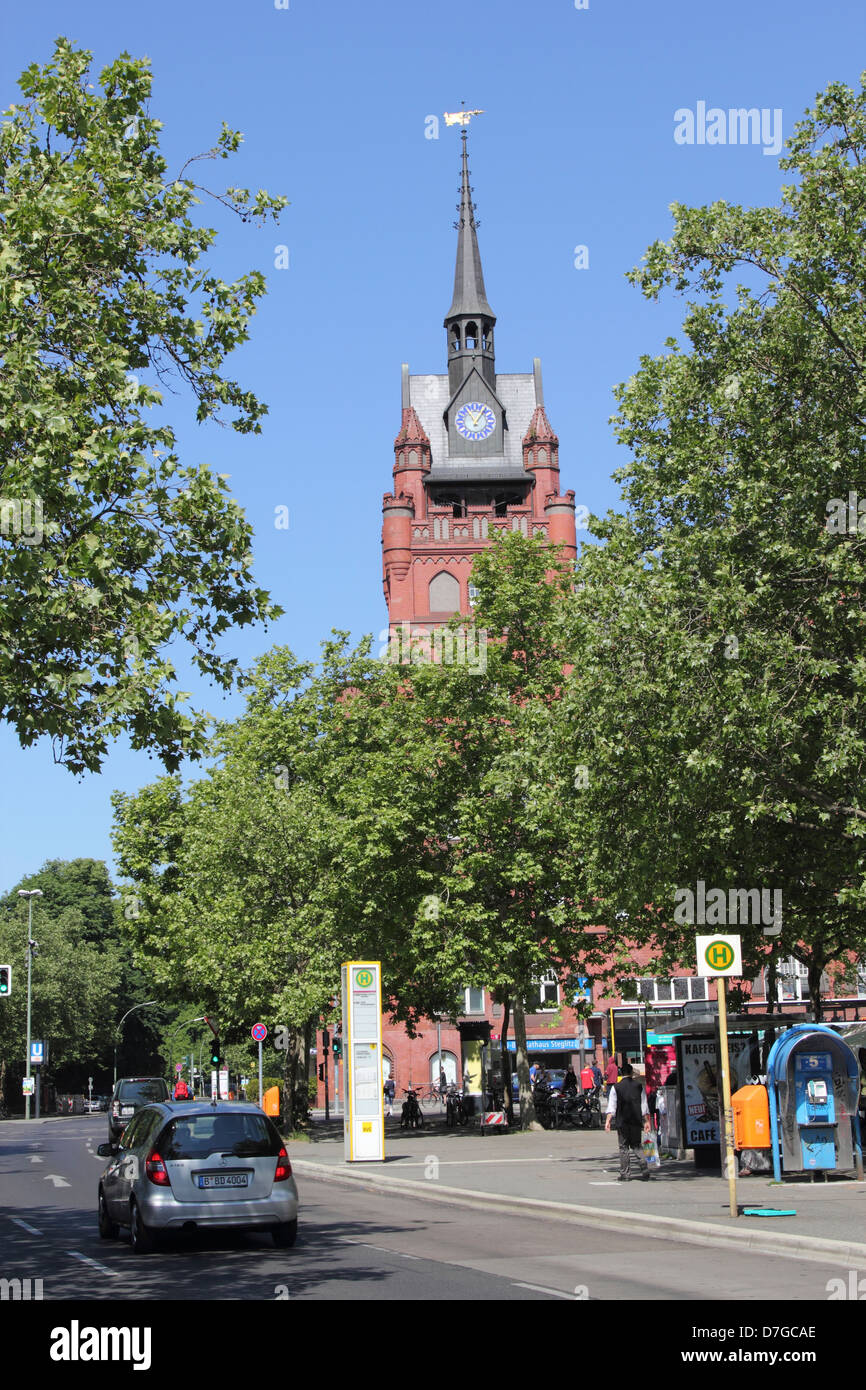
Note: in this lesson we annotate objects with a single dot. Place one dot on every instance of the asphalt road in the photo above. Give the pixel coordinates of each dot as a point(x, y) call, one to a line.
point(352, 1244)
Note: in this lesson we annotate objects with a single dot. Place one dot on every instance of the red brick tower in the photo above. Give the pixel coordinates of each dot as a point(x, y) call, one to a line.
point(475, 455)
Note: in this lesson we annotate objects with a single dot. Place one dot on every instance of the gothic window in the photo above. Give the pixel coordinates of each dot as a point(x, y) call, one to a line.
point(471, 335)
point(455, 337)
point(444, 593)
point(486, 335)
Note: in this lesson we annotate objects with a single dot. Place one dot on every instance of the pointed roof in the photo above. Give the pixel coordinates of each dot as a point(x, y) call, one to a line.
point(411, 430)
point(539, 431)
point(469, 293)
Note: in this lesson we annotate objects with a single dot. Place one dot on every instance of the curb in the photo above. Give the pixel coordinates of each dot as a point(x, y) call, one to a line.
point(850, 1254)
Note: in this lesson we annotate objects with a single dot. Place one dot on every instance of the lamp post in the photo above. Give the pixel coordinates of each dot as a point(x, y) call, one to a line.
point(118, 1032)
point(29, 894)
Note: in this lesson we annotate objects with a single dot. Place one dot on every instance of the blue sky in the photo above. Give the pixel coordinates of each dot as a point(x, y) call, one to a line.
point(576, 147)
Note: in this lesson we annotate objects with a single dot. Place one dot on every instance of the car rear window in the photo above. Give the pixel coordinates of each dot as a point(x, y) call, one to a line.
point(199, 1136)
point(142, 1092)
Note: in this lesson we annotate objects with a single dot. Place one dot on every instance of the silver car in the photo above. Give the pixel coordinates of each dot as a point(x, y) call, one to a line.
point(184, 1165)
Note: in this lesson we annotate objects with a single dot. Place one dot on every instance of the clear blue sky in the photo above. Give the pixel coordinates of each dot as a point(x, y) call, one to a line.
point(576, 148)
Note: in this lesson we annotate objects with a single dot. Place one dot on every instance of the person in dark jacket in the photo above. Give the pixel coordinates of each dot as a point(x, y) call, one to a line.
point(569, 1082)
point(628, 1113)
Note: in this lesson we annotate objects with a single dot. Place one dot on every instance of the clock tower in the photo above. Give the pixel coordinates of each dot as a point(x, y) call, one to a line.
point(475, 455)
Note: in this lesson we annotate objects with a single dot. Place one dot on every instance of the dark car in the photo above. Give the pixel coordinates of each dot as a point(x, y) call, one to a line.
point(554, 1081)
point(128, 1096)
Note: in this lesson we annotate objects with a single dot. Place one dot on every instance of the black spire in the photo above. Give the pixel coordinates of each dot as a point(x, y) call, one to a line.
point(470, 319)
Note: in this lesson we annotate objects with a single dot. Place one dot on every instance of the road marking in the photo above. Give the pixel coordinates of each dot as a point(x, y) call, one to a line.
point(383, 1249)
point(34, 1158)
point(85, 1259)
point(16, 1220)
point(58, 1182)
point(539, 1288)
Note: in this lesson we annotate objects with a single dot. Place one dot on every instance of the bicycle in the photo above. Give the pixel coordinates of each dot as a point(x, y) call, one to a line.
point(411, 1117)
point(456, 1109)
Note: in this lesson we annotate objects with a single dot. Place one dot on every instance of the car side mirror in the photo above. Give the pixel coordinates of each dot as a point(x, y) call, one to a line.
point(107, 1150)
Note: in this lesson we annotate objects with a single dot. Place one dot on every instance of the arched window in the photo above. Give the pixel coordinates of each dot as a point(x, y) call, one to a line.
point(455, 337)
point(486, 335)
point(449, 1066)
point(444, 593)
point(471, 337)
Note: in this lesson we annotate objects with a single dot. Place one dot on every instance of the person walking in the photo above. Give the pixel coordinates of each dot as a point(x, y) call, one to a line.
point(597, 1074)
point(587, 1080)
point(627, 1113)
point(389, 1088)
point(569, 1082)
point(611, 1073)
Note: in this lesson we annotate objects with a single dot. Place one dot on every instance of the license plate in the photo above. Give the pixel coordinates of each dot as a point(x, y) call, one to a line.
point(127, 1110)
point(223, 1179)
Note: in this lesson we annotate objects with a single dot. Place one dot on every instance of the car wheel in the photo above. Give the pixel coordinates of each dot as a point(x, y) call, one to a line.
point(140, 1236)
point(108, 1229)
point(285, 1234)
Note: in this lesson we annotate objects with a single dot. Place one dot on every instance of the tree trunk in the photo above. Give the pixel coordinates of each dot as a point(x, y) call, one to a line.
point(290, 1078)
point(816, 970)
point(527, 1107)
point(772, 984)
point(506, 1064)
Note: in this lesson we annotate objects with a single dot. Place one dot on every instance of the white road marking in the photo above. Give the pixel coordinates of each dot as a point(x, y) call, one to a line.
point(85, 1259)
point(58, 1182)
point(16, 1220)
point(383, 1249)
point(539, 1288)
point(34, 1158)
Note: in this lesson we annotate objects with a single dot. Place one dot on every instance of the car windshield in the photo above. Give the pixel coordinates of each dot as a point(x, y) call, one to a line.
point(198, 1136)
point(142, 1092)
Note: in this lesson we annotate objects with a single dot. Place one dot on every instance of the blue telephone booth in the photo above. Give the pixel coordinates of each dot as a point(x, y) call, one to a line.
point(813, 1080)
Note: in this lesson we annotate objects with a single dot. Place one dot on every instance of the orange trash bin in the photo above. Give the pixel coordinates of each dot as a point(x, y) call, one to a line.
point(271, 1100)
point(751, 1107)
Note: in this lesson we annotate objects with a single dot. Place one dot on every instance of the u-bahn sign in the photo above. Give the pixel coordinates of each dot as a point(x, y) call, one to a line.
point(719, 955)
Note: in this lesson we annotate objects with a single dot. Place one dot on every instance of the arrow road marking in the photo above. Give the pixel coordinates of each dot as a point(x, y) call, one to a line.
point(34, 1158)
point(58, 1182)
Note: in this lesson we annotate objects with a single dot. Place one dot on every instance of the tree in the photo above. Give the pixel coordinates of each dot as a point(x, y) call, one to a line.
point(75, 971)
point(110, 547)
point(719, 631)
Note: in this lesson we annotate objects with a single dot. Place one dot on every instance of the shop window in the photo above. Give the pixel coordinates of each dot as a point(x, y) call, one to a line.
point(449, 1066)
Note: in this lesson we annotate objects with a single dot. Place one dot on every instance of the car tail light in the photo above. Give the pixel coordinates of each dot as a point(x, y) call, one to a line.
point(284, 1167)
point(115, 1107)
point(156, 1171)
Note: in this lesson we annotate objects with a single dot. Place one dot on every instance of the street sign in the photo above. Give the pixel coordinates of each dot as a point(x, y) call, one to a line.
point(178, 1066)
point(363, 1112)
point(28, 1085)
point(259, 1032)
point(719, 955)
point(37, 1053)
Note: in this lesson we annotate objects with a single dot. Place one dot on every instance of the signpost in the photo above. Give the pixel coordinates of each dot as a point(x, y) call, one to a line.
point(363, 1111)
point(719, 958)
point(259, 1032)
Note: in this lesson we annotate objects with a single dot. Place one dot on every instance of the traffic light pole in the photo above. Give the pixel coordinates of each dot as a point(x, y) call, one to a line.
point(215, 1053)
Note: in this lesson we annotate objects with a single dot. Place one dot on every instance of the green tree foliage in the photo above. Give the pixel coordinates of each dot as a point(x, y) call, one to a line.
point(110, 547)
point(719, 633)
point(76, 972)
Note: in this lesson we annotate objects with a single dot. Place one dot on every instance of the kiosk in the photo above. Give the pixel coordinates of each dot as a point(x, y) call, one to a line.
point(813, 1082)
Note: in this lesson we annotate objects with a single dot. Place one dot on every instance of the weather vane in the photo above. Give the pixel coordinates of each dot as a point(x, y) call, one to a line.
point(460, 117)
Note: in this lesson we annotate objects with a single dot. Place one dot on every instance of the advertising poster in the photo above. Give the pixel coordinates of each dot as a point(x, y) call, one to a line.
point(701, 1085)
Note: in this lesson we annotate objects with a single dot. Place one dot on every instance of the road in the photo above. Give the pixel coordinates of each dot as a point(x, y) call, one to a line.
point(353, 1244)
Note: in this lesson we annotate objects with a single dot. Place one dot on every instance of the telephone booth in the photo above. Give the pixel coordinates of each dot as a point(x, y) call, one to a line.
point(813, 1081)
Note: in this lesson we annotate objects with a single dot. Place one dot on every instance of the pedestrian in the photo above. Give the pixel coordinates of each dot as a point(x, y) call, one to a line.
point(533, 1072)
point(181, 1090)
point(389, 1088)
point(611, 1073)
point(627, 1113)
point(597, 1075)
point(587, 1081)
point(569, 1082)
point(443, 1082)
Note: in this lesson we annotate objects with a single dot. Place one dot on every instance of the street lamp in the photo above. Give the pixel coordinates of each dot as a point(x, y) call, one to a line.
point(118, 1033)
point(29, 894)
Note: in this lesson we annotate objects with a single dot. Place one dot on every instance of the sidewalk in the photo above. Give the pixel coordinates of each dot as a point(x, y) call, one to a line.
point(571, 1175)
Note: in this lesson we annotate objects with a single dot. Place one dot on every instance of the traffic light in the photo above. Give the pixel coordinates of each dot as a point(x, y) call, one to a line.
point(338, 1046)
point(326, 1039)
point(321, 1071)
point(5, 980)
point(215, 1054)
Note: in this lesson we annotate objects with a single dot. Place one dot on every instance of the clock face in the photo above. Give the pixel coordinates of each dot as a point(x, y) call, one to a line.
point(475, 421)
